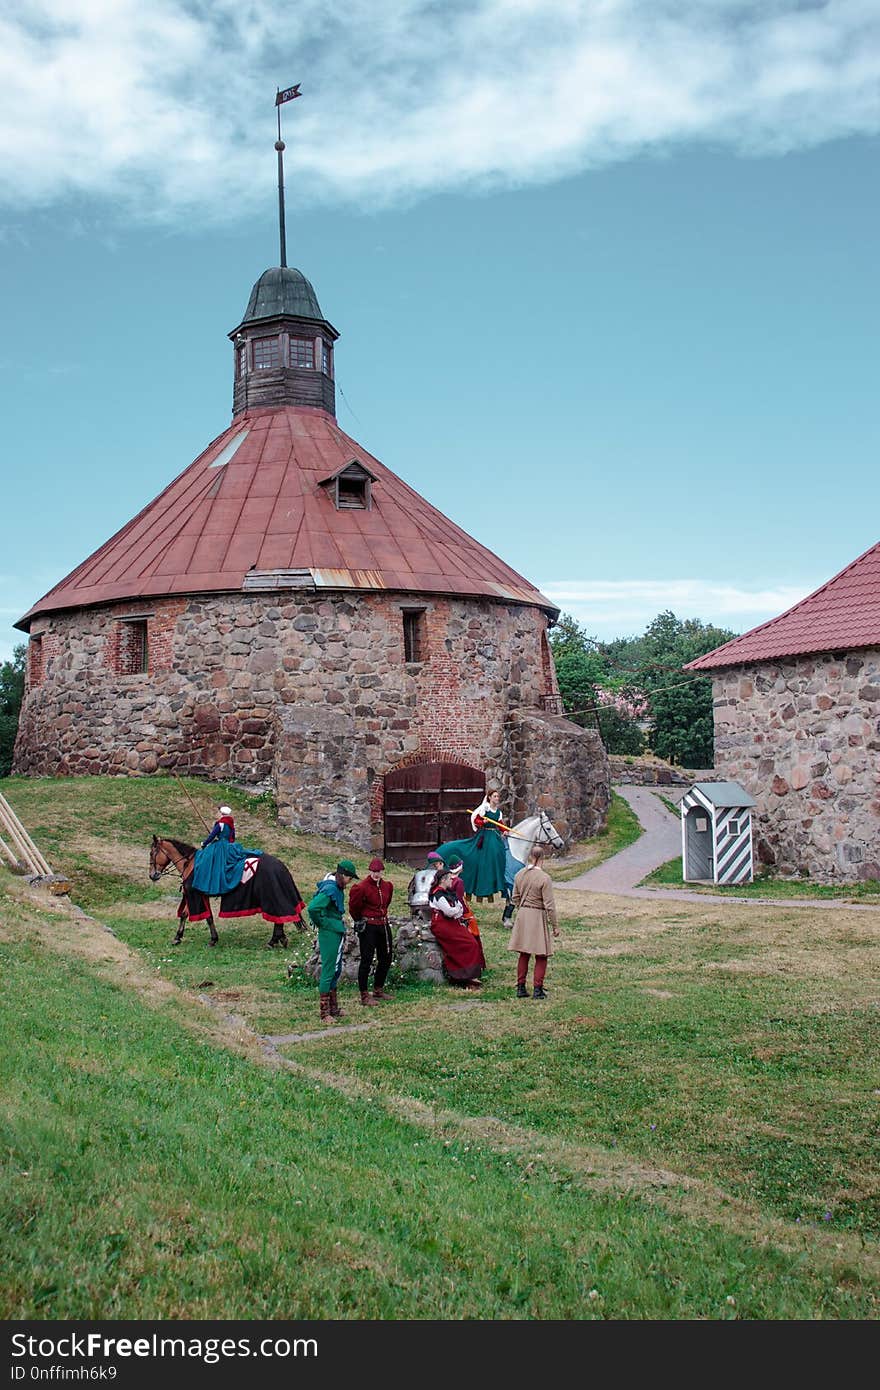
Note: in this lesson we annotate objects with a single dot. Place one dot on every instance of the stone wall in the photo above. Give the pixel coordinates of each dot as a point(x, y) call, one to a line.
point(559, 768)
point(306, 691)
point(803, 736)
point(650, 772)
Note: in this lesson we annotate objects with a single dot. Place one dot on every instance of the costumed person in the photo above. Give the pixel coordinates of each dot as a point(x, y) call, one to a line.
point(484, 855)
point(368, 903)
point(420, 885)
point(219, 863)
point(462, 952)
point(326, 912)
point(535, 919)
point(468, 918)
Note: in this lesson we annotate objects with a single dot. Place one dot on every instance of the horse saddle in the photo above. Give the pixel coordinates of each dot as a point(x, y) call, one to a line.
point(251, 864)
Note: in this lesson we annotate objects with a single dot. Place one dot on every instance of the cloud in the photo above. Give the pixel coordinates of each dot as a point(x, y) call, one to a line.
point(167, 107)
point(618, 608)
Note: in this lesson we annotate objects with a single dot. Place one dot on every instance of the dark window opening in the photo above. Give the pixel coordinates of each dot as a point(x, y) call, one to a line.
point(267, 354)
point(352, 492)
point(413, 635)
point(326, 358)
point(302, 352)
point(133, 650)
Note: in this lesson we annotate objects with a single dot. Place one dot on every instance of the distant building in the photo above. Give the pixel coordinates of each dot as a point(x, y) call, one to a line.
point(797, 722)
point(288, 612)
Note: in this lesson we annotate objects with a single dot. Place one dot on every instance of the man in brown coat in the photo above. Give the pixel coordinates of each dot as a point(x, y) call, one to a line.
point(535, 918)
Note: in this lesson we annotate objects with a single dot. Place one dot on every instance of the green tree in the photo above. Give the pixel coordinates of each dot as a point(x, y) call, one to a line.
point(682, 727)
point(11, 693)
point(585, 680)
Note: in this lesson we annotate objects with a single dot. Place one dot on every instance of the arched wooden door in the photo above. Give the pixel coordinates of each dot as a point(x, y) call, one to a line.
point(427, 803)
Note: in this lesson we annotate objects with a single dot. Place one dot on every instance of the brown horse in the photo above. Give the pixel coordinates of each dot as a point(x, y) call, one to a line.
point(270, 891)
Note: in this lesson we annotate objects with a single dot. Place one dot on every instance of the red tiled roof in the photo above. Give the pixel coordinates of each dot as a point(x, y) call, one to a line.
point(843, 614)
point(264, 510)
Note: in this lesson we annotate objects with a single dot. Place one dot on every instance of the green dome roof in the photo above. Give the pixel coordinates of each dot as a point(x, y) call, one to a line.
point(282, 290)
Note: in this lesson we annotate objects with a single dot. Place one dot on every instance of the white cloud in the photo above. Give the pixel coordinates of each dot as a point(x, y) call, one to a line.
point(620, 608)
point(168, 106)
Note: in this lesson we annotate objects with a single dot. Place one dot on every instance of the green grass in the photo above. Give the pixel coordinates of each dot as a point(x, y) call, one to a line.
point(764, 886)
point(621, 829)
point(686, 1128)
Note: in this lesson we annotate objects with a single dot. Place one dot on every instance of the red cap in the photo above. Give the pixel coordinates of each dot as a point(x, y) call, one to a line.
point(376, 866)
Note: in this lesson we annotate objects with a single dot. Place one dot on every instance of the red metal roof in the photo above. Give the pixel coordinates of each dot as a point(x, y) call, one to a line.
point(264, 510)
point(843, 614)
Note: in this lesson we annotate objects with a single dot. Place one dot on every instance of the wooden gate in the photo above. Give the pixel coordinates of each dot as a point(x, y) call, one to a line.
point(426, 804)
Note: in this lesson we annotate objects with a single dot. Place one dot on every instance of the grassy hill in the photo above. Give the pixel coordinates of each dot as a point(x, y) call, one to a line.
point(686, 1128)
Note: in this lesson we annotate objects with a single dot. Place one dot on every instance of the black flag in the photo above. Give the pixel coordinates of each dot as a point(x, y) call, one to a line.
point(288, 94)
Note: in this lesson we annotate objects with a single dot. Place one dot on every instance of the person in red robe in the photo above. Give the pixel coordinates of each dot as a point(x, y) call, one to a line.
point(462, 952)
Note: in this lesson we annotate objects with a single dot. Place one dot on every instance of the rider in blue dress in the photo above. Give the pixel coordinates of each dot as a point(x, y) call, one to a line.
point(219, 863)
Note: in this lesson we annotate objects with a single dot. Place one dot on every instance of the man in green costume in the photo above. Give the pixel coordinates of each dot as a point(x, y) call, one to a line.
point(326, 912)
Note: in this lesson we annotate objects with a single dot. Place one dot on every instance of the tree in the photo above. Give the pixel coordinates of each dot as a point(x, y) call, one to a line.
point(634, 680)
point(11, 694)
point(591, 695)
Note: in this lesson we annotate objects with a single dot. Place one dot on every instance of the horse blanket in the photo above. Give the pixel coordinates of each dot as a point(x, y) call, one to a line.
point(266, 887)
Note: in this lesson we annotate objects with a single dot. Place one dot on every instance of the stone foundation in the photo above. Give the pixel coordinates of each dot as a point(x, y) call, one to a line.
point(803, 736)
point(310, 692)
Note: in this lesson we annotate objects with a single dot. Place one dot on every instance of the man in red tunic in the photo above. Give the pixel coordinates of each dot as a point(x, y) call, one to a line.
point(368, 903)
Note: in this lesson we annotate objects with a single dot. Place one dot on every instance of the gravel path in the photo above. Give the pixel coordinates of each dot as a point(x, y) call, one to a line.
point(660, 843)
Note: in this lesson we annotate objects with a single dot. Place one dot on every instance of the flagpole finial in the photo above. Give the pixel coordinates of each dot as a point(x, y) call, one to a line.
point(288, 94)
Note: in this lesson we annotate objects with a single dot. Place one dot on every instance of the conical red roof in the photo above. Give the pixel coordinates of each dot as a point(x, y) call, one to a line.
point(842, 615)
point(251, 509)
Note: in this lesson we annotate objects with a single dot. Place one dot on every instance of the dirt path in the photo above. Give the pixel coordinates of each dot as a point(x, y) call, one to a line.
point(660, 843)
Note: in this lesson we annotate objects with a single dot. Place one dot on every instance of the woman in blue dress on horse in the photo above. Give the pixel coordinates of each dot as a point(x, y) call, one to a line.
point(219, 863)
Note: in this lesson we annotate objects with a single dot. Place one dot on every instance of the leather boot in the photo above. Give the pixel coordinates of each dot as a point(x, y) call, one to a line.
point(382, 993)
point(366, 997)
point(325, 1008)
point(335, 1011)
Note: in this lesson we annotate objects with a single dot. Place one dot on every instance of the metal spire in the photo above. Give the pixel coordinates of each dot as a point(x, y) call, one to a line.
point(280, 97)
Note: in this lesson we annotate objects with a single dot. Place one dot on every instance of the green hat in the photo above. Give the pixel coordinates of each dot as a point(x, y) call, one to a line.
point(345, 866)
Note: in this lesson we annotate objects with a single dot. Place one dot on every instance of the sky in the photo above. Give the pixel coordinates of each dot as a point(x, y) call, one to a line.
point(605, 273)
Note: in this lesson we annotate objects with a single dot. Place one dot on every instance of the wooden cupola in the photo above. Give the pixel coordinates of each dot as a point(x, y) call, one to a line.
point(283, 346)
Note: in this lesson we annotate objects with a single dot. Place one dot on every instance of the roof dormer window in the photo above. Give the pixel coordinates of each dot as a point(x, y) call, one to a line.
point(351, 487)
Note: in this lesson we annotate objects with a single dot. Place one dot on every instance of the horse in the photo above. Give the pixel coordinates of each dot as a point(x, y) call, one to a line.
point(534, 830)
point(537, 829)
point(268, 888)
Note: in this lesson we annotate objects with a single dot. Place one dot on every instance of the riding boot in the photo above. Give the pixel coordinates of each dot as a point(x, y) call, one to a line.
point(326, 1015)
point(507, 915)
point(366, 997)
point(335, 1011)
point(381, 993)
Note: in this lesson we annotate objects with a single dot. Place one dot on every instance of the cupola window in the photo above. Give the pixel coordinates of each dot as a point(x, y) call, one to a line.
point(326, 358)
point(302, 353)
point(267, 354)
point(242, 359)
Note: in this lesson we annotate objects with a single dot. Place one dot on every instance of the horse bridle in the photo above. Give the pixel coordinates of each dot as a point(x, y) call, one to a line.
point(160, 873)
point(546, 827)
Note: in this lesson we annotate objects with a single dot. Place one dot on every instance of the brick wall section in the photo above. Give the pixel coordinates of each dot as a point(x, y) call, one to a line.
point(803, 736)
point(309, 692)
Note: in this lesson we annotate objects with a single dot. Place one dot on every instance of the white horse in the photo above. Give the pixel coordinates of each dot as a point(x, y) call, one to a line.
point(534, 830)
